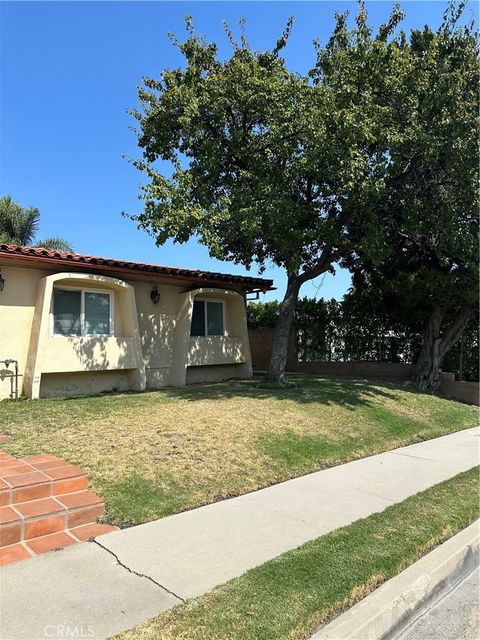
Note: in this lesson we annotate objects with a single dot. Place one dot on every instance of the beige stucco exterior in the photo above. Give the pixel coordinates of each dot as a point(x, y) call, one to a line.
point(151, 346)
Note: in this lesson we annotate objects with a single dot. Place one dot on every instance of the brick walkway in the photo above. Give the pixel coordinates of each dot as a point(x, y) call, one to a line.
point(44, 505)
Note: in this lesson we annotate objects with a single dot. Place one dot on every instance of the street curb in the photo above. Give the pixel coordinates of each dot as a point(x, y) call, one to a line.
point(382, 612)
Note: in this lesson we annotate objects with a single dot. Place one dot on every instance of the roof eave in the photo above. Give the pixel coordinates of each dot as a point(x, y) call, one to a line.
point(147, 273)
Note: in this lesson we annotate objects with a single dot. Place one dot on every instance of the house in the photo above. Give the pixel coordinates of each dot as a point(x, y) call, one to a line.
point(72, 324)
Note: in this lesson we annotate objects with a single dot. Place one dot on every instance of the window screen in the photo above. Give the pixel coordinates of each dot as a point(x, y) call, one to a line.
point(66, 312)
point(198, 319)
point(97, 313)
point(214, 318)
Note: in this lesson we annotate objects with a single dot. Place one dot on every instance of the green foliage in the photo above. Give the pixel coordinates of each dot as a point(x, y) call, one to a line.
point(362, 326)
point(265, 161)
point(419, 245)
point(462, 359)
point(19, 225)
point(370, 159)
point(55, 243)
point(263, 315)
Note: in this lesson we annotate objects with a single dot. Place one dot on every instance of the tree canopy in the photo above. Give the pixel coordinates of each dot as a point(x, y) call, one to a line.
point(245, 136)
point(425, 219)
point(352, 162)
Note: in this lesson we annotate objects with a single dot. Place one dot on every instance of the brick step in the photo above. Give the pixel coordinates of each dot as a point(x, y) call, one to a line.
point(52, 542)
point(35, 477)
point(24, 521)
point(45, 506)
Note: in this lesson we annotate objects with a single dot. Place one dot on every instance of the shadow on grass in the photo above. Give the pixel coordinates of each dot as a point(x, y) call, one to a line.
point(305, 389)
point(349, 393)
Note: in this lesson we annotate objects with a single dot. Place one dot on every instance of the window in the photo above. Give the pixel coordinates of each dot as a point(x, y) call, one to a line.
point(207, 318)
point(82, 313)
point(97, 313)
point(67, 307)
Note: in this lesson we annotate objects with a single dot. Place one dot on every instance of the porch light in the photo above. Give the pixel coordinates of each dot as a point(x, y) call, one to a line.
point(2, 282)
point(155, 295)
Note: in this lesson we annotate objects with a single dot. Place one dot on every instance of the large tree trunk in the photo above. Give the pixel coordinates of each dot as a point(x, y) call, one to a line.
point(426, 373)
point(281, 333)
point(436, 343)
point(460, 360)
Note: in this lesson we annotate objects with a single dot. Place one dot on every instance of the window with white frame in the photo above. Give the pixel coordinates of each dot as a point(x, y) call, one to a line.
point(82, 312)
point(208, 318)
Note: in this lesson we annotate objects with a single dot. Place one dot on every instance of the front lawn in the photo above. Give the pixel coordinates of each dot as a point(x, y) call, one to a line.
point(153, 454)
point(290, 596)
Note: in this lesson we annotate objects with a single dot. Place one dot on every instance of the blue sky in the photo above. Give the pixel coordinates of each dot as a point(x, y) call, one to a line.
point(69, 71)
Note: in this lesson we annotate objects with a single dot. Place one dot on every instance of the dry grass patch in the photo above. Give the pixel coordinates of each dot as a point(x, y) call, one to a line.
point(156, 453)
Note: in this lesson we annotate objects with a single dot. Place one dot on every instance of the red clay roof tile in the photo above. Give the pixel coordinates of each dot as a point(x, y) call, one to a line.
point(39, 254)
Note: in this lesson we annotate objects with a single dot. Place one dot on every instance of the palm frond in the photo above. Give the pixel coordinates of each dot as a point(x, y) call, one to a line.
point(55, 244)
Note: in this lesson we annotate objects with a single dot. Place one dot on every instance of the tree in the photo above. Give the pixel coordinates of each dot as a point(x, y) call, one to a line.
point(19, 225)
point(353, 162)
point(265, 161)
point(425, 257)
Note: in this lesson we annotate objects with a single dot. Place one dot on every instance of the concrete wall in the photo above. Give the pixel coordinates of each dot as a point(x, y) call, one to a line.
point(48, 353)
point(151, 346)
point(467, 392)
point(391, 371)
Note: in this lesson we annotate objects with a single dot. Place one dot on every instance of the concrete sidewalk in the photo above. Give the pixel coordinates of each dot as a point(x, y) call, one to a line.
point(130, 575)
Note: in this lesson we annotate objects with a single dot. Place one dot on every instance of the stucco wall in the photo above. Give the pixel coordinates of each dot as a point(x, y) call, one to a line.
point(156, 324)
point(214, 373)
point(58, 365)
point(67, 385)
point(17, 306)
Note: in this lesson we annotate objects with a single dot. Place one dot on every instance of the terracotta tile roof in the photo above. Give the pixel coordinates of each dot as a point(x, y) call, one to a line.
point(93, 263)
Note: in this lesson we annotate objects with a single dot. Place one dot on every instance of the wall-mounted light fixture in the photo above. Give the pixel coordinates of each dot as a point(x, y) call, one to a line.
point(154, 294)
point(2, 282)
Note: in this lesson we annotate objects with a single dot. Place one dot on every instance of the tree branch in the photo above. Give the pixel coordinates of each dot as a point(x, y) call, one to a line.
point(456, 328)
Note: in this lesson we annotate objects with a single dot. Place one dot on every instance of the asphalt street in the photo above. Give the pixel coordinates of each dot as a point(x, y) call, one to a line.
point(454, 616)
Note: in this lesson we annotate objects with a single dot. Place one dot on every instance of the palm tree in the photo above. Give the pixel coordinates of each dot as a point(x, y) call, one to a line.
point(19, 225)
point(56, 244)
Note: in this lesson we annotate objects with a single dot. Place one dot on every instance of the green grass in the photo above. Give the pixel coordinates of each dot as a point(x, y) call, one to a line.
point(153, 454)
point(289, 597)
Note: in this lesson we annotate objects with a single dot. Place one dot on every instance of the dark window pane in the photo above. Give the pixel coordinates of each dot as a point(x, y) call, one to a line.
point(97, 313)
point(215, 318)
point(66, 312)
point(198, 319)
